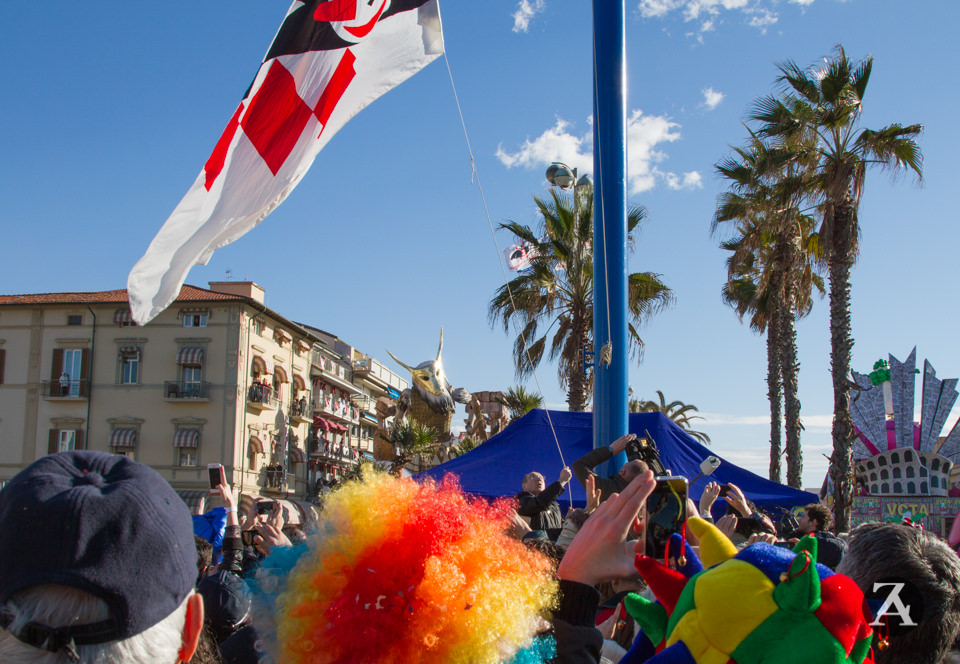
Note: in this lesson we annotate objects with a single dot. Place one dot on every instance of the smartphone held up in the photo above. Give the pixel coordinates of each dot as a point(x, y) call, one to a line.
point(664, 514)
point(216, 475)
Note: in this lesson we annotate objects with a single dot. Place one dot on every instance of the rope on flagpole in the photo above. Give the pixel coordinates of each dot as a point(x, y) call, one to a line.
point(476, 174)
point(605, 356)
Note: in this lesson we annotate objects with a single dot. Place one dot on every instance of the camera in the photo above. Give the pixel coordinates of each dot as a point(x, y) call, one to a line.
point(266, 507)
point(646, 451)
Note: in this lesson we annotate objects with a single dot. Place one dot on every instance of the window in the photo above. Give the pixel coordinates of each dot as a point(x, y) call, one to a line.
point(72, 370)
point(910, 472)
point(67, 440)
point(258, 326)
point(191, 378)
point(908, 456)
point(870, 465)
point(74, 320)
point(186, 442)
point(129, 365)
point(884, 488)
point(69, 437)
point(896, 473)
point(3, 356)
point(884, 474)
point(873, 477)
point(195, 320)
point(934, 482)
point(123, 439)
point(882, 461)
point(935, 465)
point(897, 487)
point(894, 458)
point(186, 457)
point(911, 488)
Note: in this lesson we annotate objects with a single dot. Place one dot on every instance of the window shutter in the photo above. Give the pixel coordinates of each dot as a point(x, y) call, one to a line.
point(57, 367)
point(78, 439)
point(84, 363)
point(53, 443)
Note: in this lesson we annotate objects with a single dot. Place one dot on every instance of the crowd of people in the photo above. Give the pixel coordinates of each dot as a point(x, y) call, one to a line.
point(99, 563)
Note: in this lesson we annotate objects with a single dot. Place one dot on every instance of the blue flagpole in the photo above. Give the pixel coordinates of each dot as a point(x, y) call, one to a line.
point(610, 225)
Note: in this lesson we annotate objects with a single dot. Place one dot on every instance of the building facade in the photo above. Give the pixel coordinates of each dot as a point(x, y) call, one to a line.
point(218, 377)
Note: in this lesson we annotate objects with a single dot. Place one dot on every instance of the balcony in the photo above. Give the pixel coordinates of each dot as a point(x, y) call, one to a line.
point(262, 397)
point(301, 412)
point(340, 409)
point(273, 479)
point(178, 390)
point(71, 390)
point(338, 452)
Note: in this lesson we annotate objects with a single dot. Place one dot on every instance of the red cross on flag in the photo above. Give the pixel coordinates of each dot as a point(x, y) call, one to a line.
point(329, 60)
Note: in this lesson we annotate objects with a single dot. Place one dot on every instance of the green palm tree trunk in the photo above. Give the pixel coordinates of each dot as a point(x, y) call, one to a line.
point(578, 388)
point(791, 404)
point(775, 394)
point(841, 345)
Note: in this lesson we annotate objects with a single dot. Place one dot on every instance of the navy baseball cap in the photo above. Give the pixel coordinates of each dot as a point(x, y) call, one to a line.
point(103, 524)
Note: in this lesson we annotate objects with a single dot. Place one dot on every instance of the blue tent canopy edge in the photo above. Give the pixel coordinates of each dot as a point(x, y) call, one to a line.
point(495, 468)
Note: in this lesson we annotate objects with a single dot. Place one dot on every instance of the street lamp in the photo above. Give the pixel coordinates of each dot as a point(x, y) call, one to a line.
point(562, 176)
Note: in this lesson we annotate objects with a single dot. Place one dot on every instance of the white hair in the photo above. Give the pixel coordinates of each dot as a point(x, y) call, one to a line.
point(56, 606)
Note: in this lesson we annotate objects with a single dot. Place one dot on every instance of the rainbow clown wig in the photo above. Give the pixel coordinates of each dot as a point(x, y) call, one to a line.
point(764, 604)
point(401, 572)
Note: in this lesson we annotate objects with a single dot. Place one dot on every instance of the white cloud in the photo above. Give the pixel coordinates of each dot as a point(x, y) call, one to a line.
point(644, 134)
point(712, 98)
point(762, 19)
point(757, 13)
point(526, 10)
point(810, 422)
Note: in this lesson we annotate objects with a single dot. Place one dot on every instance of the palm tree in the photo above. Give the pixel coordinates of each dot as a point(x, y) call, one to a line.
point(771, 271)
point(823, 105)
point(556, 291)
point(409, 439)
point(519, 402)
point(677, 411)
point(466, 444)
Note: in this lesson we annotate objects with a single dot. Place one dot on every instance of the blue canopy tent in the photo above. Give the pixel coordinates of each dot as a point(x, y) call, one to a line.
point(496, 468)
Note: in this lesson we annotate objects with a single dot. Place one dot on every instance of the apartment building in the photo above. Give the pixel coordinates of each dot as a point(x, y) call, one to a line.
point(345, 393)
point(218, 377)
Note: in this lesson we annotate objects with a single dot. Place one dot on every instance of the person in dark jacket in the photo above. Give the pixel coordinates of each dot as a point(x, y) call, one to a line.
point(607, 486)
point(815, 520)
point(539, 502)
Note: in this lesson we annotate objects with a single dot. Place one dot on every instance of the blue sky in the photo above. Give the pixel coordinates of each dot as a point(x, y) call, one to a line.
point(112, 108)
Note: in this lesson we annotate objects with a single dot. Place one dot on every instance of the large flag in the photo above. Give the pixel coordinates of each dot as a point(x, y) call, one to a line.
point(329, 60)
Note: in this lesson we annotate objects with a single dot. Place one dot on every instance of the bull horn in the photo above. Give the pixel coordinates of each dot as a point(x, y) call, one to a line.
point(441, 343)
point(402, 364)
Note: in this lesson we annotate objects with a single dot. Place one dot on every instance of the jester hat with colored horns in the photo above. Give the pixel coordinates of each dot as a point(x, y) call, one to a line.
point(763, 604)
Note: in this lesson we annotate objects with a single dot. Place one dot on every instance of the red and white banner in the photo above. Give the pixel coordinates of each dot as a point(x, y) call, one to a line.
point(329, 60)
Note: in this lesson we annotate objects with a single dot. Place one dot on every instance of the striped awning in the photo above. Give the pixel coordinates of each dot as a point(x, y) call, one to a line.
point(298, 383)
point(190, 311)
point(297, 455)
point(194, 499)
point(190, 355)
point(129, 350)
point(280, 374)
point(123, 438)
point(122, 316)
point(186, 438)
point(260, 365)
point(256, 445)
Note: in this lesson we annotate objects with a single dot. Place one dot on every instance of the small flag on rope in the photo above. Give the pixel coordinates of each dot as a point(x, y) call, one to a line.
point(518, 256)
point(329, 60)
